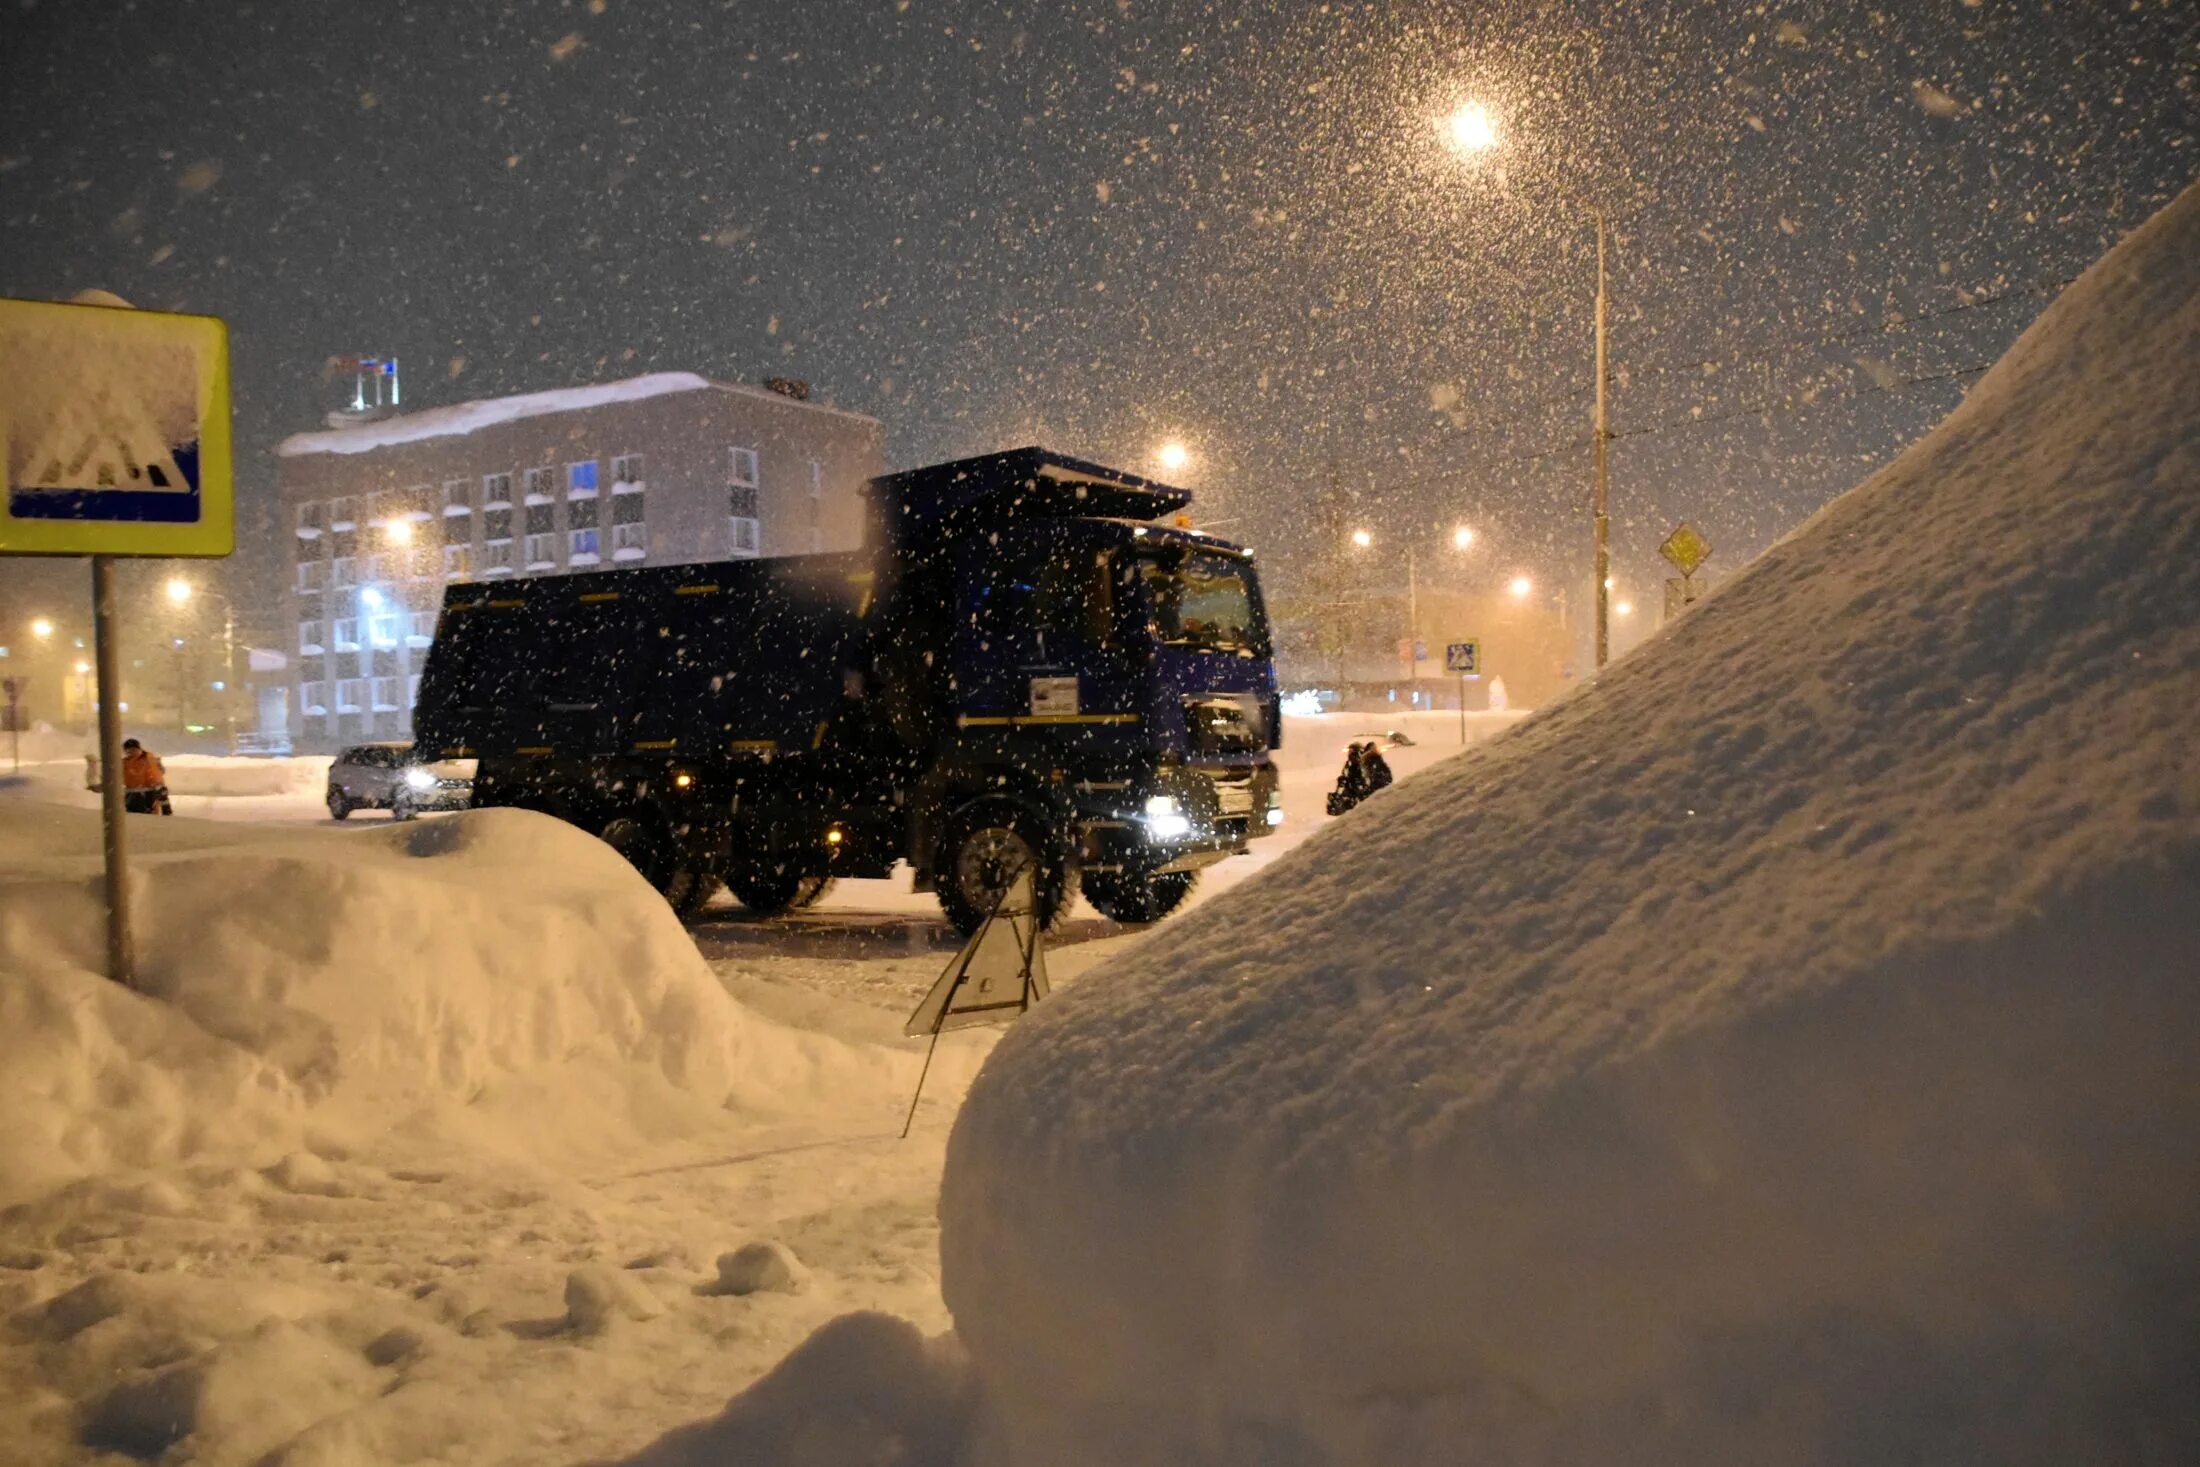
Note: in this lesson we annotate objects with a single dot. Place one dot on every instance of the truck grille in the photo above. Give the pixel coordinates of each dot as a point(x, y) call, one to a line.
point(1223, 725)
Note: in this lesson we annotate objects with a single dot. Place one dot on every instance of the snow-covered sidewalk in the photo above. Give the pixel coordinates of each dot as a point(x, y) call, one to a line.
point(430, 1140)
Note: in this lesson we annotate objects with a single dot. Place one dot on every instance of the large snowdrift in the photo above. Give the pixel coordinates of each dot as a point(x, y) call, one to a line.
point(499, 978)
point(1788, 1051)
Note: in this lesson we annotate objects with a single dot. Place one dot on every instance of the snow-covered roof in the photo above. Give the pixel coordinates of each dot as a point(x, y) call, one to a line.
point(471, 417)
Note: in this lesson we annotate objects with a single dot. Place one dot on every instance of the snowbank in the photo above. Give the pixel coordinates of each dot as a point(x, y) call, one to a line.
point(1787, 1051)
point(242, 776)
point(498, 978)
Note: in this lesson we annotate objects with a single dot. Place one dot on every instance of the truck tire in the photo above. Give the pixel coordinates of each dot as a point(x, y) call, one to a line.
point(638, 837)
point(981, 848)
point(766, 890)
point(1136, 899)
point(339, 808)
point(690, 891)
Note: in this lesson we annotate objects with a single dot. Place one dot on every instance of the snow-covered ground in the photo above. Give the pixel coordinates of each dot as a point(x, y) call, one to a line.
point(1785, 1052)
point(425, 1142)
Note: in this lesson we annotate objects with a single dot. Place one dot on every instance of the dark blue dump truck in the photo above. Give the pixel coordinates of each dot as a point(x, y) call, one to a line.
point(1034, 662)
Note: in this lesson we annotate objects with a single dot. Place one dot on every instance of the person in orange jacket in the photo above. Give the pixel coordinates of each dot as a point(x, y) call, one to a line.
point(144, 781)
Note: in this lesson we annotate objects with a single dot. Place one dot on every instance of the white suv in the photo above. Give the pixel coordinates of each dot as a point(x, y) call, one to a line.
point(390, 777)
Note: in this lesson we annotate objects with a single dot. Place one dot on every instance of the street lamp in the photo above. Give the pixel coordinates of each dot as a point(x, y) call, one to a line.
point(1521, 588)
point(1361, 539)
point(399, 532)
point(1462, 538)
point(41, 627)
point(180, 592)
point(1471, 131)
point(1173, 456)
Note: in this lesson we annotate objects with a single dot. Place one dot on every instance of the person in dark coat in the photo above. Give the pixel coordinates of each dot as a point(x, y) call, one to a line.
point(1351, 782)
point(1375, 768)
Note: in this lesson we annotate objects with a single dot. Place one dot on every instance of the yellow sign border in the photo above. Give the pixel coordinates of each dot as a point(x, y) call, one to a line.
point(215, 533)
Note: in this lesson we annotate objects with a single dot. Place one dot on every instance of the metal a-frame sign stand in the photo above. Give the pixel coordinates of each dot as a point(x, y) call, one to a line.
point(999, 972)
point(114, 442)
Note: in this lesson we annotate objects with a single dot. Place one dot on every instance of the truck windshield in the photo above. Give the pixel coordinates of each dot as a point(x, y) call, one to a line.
point(1204, 599)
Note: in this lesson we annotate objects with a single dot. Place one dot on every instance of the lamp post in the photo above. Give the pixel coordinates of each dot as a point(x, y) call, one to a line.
point(180, 592)
point(1462, 540)
point(1470, 129)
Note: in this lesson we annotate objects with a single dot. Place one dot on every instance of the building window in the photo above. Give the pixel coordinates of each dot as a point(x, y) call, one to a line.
point(584, 547)
point(348, 690)
point(313, 697)
point(458, 562)
point(626, 470)
point(741, 501)
point(580, 479)
point(340, 572)
point(342, 513)
point(345, 630)
point(309, 637)
point(741, 467)
point(380, 505)
point(496, 491)
point(542, 551)
point(420, 628)
point(412, 690)
point(496, 524)
point(309, 577)
point(747, 537)
point(538, 486)
point(310, 520)
point(422, 558)
point(541, 518)
point(458, 496)
point(496, 558)
point(582, 514)
point(630, 541)
point(370, 568)
point(418, 502)
point(382, 629)
point(385, 695)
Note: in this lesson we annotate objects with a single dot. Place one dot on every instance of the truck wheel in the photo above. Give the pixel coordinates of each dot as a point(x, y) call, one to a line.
point(980, 852)
point(339, 808)
point(635, 836)
point(1128, 898)
point(767, 890)
point(401, 807)
point(689, 892)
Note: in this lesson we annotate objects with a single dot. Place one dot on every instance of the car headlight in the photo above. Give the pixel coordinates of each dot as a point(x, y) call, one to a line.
point(420, 779)
point(1165, 818)
point(1275, 815)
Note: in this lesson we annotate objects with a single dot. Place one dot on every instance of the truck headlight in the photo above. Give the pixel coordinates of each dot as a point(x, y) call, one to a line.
point(420, 779)
point(1165, 818)
point(1275, 816)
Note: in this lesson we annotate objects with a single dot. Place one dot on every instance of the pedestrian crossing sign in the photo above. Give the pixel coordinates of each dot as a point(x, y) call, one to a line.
point(114, 432)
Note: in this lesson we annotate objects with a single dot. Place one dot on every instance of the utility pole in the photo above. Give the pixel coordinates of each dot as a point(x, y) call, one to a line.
point(121, 959)
point(1602, 506)
point(1413, 617)
point(229, 669)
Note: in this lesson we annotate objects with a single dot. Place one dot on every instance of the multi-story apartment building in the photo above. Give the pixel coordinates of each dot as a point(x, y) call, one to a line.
point(655, 470)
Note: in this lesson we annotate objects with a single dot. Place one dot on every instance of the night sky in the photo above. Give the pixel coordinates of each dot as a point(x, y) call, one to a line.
point(1097, 225)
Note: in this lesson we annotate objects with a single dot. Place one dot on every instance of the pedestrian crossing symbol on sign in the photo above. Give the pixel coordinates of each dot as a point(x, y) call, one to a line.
point(114, 432)
point(1463, 658)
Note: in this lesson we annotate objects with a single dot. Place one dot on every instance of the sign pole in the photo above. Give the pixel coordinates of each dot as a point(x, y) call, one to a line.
point(15, 726)
point(1462, 710)
point(120, 957)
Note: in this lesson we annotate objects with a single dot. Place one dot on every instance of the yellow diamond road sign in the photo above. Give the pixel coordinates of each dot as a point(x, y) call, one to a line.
point(114, 432)
point(1686, 548)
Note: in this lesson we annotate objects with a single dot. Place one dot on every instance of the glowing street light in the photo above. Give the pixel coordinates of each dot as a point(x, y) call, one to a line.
point(1521, 587)
point(180, 592)
point(1624, 608)
point(1470, 128)
point(1462, 538)
point(399, 532)
point(1173, 456)
point(1361, 539)
point(41, 627)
